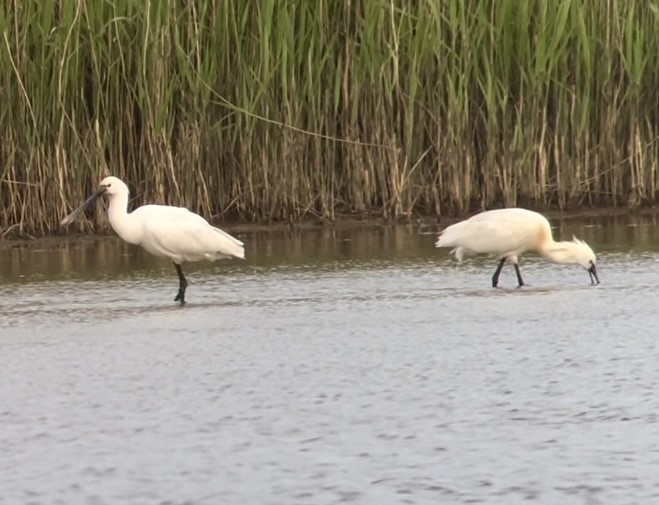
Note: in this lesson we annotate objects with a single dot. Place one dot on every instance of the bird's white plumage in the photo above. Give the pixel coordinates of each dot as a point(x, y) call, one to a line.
point(177, 234)
point(169, 232)
point(502, 232)
point(507, 233)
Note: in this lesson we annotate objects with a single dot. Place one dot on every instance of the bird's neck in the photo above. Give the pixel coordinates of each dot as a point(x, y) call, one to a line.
point(121, 221)
point(559, 252)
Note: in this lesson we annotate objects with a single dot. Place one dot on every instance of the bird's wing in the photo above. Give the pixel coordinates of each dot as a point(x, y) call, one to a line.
point(502, 234)
point(181, 235)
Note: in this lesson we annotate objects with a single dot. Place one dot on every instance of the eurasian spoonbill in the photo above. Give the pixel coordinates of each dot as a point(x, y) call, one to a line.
point(170, 232)
point(507, 233)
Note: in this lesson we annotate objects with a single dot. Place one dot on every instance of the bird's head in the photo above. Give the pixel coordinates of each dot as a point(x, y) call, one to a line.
point(109, 186)
point(585, 257)
point(112, 186)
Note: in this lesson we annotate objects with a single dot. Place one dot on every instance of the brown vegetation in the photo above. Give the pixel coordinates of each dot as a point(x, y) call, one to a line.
point(286, 110)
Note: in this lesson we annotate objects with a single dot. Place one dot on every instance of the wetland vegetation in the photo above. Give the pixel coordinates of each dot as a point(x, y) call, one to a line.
point(281, 111)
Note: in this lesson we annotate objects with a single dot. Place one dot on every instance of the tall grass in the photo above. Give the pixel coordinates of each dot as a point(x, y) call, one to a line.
point(285, 110)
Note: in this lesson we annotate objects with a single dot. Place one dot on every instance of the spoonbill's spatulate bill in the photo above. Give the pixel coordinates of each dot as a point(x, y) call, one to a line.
point(169, 232)
point(507, 233)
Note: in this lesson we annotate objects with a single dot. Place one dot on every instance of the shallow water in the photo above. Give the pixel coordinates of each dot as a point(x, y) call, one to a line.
point(333, 366)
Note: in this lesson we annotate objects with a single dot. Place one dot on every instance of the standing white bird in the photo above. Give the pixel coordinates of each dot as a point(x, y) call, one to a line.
point(170, 232)
point(507, 233)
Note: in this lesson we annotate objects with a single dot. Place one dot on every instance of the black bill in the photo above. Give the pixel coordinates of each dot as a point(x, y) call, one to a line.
point(71, 217)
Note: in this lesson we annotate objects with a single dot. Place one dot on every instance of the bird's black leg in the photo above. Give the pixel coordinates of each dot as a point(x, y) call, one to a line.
point(183, 283)
point(495, 277)
point(520, 281)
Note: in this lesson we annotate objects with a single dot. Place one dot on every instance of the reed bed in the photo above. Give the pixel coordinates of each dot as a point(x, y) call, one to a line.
point(288, 110)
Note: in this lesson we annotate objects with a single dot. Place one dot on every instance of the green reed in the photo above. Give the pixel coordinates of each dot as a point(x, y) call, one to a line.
point(287, 110)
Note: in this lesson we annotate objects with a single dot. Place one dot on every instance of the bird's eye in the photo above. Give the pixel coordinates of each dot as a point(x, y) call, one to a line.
point(108, 185)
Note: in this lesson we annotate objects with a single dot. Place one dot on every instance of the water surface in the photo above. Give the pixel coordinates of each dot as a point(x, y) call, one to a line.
point(356, 365)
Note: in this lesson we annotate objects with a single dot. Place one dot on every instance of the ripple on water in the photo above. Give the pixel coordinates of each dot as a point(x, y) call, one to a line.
point(380, 382)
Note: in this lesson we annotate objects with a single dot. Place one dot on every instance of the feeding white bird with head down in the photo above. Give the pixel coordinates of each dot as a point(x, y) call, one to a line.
point(170, 232)
point(507, 233)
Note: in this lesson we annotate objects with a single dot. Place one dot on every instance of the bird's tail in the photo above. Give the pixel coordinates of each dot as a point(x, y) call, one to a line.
point(451, 237)
point(231, 246)
point(459, 252)
point(238, 250)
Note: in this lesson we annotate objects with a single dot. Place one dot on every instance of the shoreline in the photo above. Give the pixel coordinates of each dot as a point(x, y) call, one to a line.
point(345, 221)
